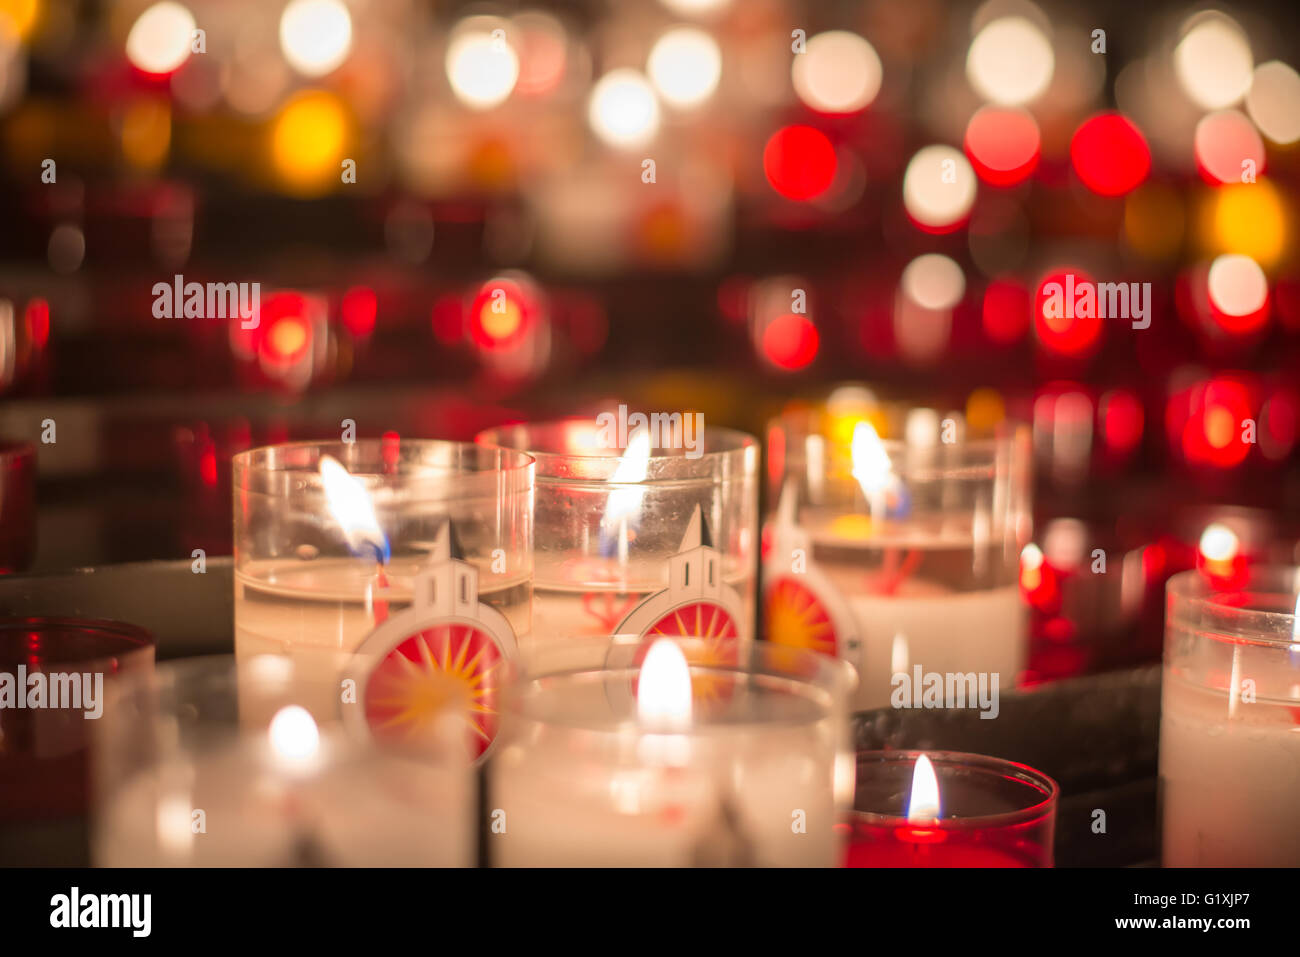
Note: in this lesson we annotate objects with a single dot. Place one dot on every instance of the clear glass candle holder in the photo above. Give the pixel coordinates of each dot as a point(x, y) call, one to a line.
point(641, 539)
point(988, 812)
point(383, 551)
point(1230, 721)
point(733, 754)
point(900, 556)
point(209, 763)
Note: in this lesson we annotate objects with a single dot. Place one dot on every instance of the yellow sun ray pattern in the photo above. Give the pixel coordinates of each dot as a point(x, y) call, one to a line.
point(708, 620)
point(796, 618)
point(445, 669)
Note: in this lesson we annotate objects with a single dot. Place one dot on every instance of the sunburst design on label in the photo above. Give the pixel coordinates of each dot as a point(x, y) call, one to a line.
point(796, 617)
point(447, 667)
point(701, 619)
point(802, 609)
point(441, 659)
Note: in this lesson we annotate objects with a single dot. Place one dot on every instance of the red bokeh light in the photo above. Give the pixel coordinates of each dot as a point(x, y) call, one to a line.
point(500, 314)
point(282, 334)
point(37, 315)
point(1002, 145)
point(799, 162)
point(1110, 154)
point(1067, 333)
point(1006, 310)
point(359, 308)
point(1223, 141)
point(791, 342)
point(1206, 421)
point(448, 320)
point(1122, 420)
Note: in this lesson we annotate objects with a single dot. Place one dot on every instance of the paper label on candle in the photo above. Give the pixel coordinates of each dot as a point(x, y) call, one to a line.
point(805, 611)
point(697, 602)
point(439, 659)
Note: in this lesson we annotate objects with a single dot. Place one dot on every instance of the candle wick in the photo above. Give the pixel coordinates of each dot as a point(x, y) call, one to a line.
point(724, 843)
point(307, 851)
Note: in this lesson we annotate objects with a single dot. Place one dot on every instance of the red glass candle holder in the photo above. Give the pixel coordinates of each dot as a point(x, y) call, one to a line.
point(43, 749)
point(992, 813)
point(17, 506)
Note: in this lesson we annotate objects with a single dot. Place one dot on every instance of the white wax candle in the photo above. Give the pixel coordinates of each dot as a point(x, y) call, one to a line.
point(253, 814)
point(894, 614)
point(922, 623)
point(318, 613)
point(775, 810)
point(1229, 777)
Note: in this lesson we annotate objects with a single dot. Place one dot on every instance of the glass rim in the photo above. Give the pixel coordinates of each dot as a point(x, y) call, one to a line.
point(805, 422)
point(832, 677)
point(737, 442)
point(1023, 773)
point(136, 638)
point(516, 466)
point(1191, 591)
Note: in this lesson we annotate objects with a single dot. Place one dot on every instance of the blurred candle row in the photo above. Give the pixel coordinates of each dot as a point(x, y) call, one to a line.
point(564, 614)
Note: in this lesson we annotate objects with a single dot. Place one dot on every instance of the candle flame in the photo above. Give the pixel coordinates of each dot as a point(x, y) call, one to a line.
point(351, 507)
point(898, 655)
point(295, 739)
point(625, 500)
point(1031, 567)
point(663, 699)
point(872, 466)
point(1295, 626)
point(923, 805)
point(1219, 543)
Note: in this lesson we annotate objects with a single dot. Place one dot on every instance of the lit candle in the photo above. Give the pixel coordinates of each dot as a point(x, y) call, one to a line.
point(621, 530)
point(944, 809)
point(185, 779)
point(1230, 721)
point(333, 543)
point(906, 555)
point(678, 761)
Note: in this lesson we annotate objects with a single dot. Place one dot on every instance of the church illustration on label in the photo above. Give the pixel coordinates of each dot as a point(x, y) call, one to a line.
point(697, 602)
point(444, 655)
point(801, 608)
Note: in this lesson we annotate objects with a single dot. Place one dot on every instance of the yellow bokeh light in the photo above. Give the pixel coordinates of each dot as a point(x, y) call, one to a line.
point(985, 410)
point(146, 133)
point(18, 17)
point(308, 140)
point(1246, 218)
point(500, 323)
point(852, 526)
point(287, 337)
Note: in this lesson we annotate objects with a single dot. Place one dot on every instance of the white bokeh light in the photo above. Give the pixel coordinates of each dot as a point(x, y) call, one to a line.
point(1274, 101)
point(482, 68)
point(938, 187)
point(294, 737)
point(933, 281)
point(685, 66)
point(315, 35)
point(160, 38)
point(694, 8)
point(623, 109)
point(1238, 286)
point(1213, 62)
point(838, 72)
point(1010, 62)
